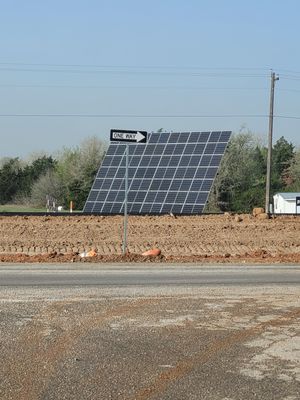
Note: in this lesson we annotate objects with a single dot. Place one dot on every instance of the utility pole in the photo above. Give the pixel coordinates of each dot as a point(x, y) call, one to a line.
point(274, 78)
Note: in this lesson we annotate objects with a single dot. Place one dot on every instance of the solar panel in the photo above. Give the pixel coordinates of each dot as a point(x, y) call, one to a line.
point(171, 173)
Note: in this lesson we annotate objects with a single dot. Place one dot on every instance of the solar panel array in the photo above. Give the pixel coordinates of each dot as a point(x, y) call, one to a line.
point(171, 173)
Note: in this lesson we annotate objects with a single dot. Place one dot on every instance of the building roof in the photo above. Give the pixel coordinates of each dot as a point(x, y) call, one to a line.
point(288, 196)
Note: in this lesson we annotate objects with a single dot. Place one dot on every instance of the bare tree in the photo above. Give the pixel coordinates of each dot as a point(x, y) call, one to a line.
point(48, 184)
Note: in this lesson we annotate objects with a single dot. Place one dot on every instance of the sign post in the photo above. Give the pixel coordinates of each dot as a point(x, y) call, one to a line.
point(297, 204)
point(118, 135)
point(126, 202)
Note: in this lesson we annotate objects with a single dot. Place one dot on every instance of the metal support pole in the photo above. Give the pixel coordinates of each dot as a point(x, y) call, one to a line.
point(125, 202)
point(269, 157)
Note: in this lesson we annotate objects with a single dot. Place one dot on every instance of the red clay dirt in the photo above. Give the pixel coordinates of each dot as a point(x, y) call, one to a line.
point(206, 238)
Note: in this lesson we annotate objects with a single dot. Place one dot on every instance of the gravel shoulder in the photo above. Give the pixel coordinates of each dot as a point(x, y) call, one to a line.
point(144, 343)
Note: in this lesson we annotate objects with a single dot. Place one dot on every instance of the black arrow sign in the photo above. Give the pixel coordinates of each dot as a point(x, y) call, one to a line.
point(120, 135)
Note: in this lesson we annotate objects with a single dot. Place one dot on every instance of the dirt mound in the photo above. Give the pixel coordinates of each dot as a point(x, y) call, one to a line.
point(220, 238)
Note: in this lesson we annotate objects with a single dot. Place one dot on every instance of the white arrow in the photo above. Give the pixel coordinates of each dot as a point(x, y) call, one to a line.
point(139, 136)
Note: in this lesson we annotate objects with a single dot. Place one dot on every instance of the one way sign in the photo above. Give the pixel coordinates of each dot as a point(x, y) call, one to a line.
point(117, 135)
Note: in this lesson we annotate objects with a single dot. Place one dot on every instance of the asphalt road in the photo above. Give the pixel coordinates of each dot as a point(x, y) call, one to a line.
point(145, 275)
point(149, 332)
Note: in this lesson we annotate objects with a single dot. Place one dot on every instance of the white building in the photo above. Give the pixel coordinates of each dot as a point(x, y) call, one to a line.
point(286, 203)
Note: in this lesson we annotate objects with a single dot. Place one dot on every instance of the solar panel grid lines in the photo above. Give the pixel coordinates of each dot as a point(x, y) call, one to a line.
point(172, 172)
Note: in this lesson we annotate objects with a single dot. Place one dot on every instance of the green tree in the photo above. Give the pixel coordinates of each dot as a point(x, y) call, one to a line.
point(282, 157)
point(292, 174)
point(239, 186)
point(33, 171)
point(10, 179)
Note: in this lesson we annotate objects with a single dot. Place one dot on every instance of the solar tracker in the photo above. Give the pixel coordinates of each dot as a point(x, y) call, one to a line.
point(171, 173)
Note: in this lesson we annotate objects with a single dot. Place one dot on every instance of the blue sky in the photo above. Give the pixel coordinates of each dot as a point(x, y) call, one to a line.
point(192, 65)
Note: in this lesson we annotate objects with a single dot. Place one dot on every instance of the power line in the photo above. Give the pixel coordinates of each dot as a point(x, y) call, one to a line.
point(44, 67)
point(146, 116)
point(286, 117)
point(53, 65)
point(130, 87)
point(289, 71)
point(136, 72)
point(288, 90)
point(290, 77)
point(12, 85)
point(7, 85)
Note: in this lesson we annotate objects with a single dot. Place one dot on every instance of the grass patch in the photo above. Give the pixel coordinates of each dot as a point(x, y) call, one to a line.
point(19, 208)
point(13, 208)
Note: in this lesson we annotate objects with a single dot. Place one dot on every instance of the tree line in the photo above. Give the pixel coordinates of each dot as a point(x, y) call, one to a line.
point(238, 187)
point(66, 176)
point(241, 182)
